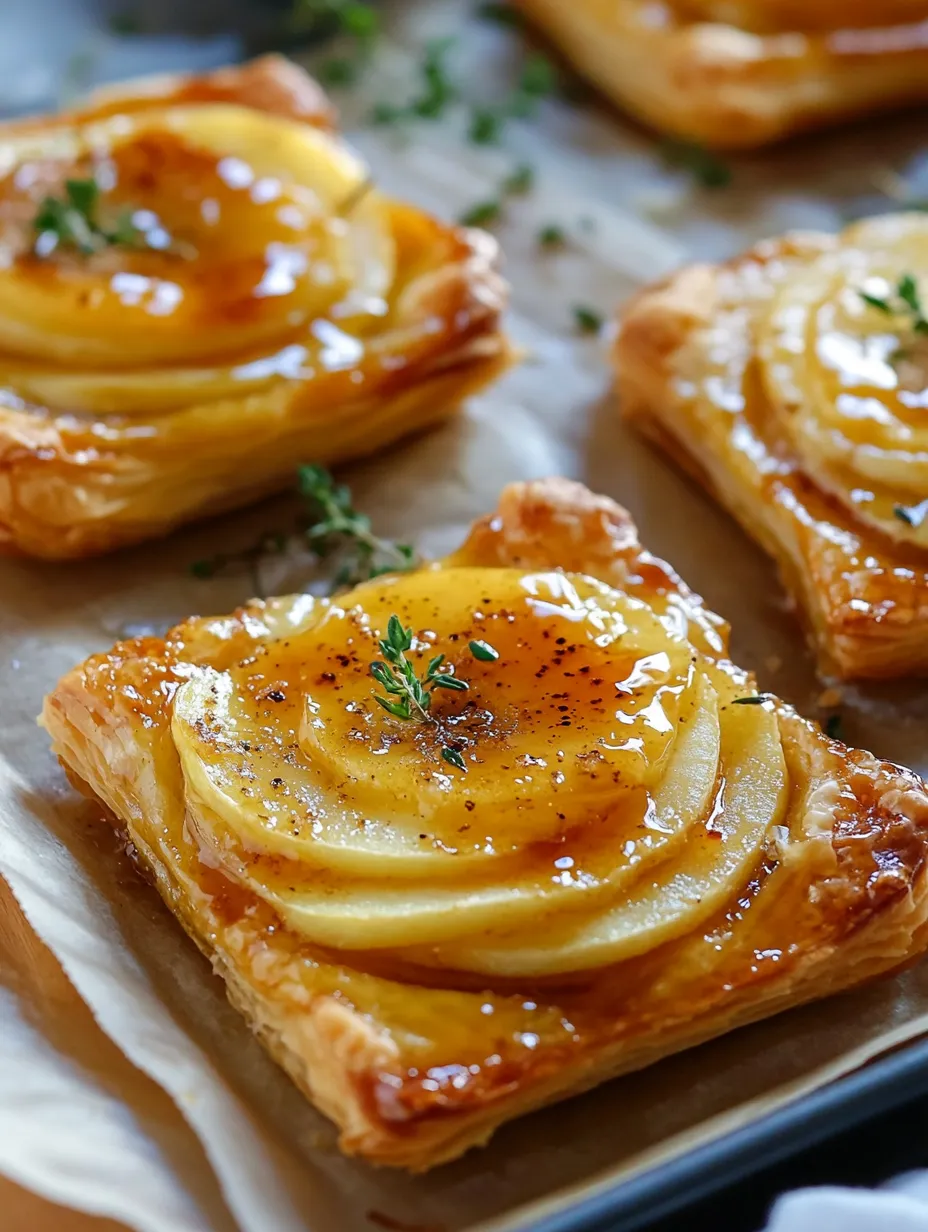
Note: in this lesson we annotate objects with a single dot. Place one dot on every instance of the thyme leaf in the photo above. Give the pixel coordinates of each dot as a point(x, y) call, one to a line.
point(905, 301)
point(72, 221)
point(334, 530)
point(587, 319)
point(409, 695)
point(706, 168)
point(336, 527)
point(551, 236)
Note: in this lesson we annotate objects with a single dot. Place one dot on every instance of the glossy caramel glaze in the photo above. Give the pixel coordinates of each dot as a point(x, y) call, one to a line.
point(445, 1023)
point(791, 16)
point(803, 415)
point(742, 73)
point(268, 304)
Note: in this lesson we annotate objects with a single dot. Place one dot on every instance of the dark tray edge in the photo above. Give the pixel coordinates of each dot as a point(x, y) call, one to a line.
point(882, 1085)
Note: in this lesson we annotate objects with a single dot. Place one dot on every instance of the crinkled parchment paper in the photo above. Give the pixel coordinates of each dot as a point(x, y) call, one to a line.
point(80, 1124)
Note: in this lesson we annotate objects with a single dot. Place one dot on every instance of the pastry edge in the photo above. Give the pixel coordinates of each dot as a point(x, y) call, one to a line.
point(729, 88)
point(342, 1062)
point(657, 324)
point(66, 494)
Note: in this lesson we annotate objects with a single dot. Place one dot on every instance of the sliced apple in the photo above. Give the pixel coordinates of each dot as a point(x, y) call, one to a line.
point(270, 224)
point(850, 379)
point(722, 847)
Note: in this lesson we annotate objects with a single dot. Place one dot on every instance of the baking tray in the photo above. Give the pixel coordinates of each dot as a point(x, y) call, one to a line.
point(669, 1189)
point(623, 252)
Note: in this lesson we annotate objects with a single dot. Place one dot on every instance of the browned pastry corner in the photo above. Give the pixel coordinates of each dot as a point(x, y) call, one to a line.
point(596, 846)
point(791, 383)
point(200, 288)
point(743, 74)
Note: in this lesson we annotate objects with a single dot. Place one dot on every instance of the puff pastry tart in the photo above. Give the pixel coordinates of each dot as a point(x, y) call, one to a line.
point(606, 848)
point(200, 287)
point(741, 73)
point(793, 382)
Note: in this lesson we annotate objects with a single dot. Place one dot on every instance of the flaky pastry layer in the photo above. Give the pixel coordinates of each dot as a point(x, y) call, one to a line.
point(100, 452)
point(415, 1068)
point(693, 71)
point(688, 375)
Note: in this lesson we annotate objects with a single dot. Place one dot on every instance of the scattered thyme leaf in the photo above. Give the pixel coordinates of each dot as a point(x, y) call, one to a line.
point(485, 126)
point(521, 180)
point(881, 305)
point(481, 214)
point(387, 113)
point(538, 78)
point(339, 71)
point(907, 290)
point(438, 91)
point(706, 168)
point(358, 22)
point(249, 558)
point(453, 757)
point(361, 21)
point(436, 88)
point(483, 651)
point(586, 319)
point(551, 236)
point(501, 14)
point(905, 301)
point(752, 701)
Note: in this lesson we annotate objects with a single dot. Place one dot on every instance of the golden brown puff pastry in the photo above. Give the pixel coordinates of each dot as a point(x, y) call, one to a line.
point(792, 383)
point(261, 304)
point(742, 73)
point(629, 851)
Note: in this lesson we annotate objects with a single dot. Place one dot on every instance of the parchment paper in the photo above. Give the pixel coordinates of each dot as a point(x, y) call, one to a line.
point(629, 219)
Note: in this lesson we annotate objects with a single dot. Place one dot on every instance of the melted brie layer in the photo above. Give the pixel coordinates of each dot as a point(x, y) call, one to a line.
point(614, 792)
point(849, 381)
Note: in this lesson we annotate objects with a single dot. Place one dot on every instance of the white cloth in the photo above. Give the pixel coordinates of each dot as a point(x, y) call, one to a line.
point(899, 1206)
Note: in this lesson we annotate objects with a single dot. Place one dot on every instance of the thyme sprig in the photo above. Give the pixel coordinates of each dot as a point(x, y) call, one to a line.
point(332, 527)
point(409, 696)
point(360, 22)
point(436, 89)
point(336, 528)
point(400, 680)
point(706, 168)
point(73, 221)
point(905, 302)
